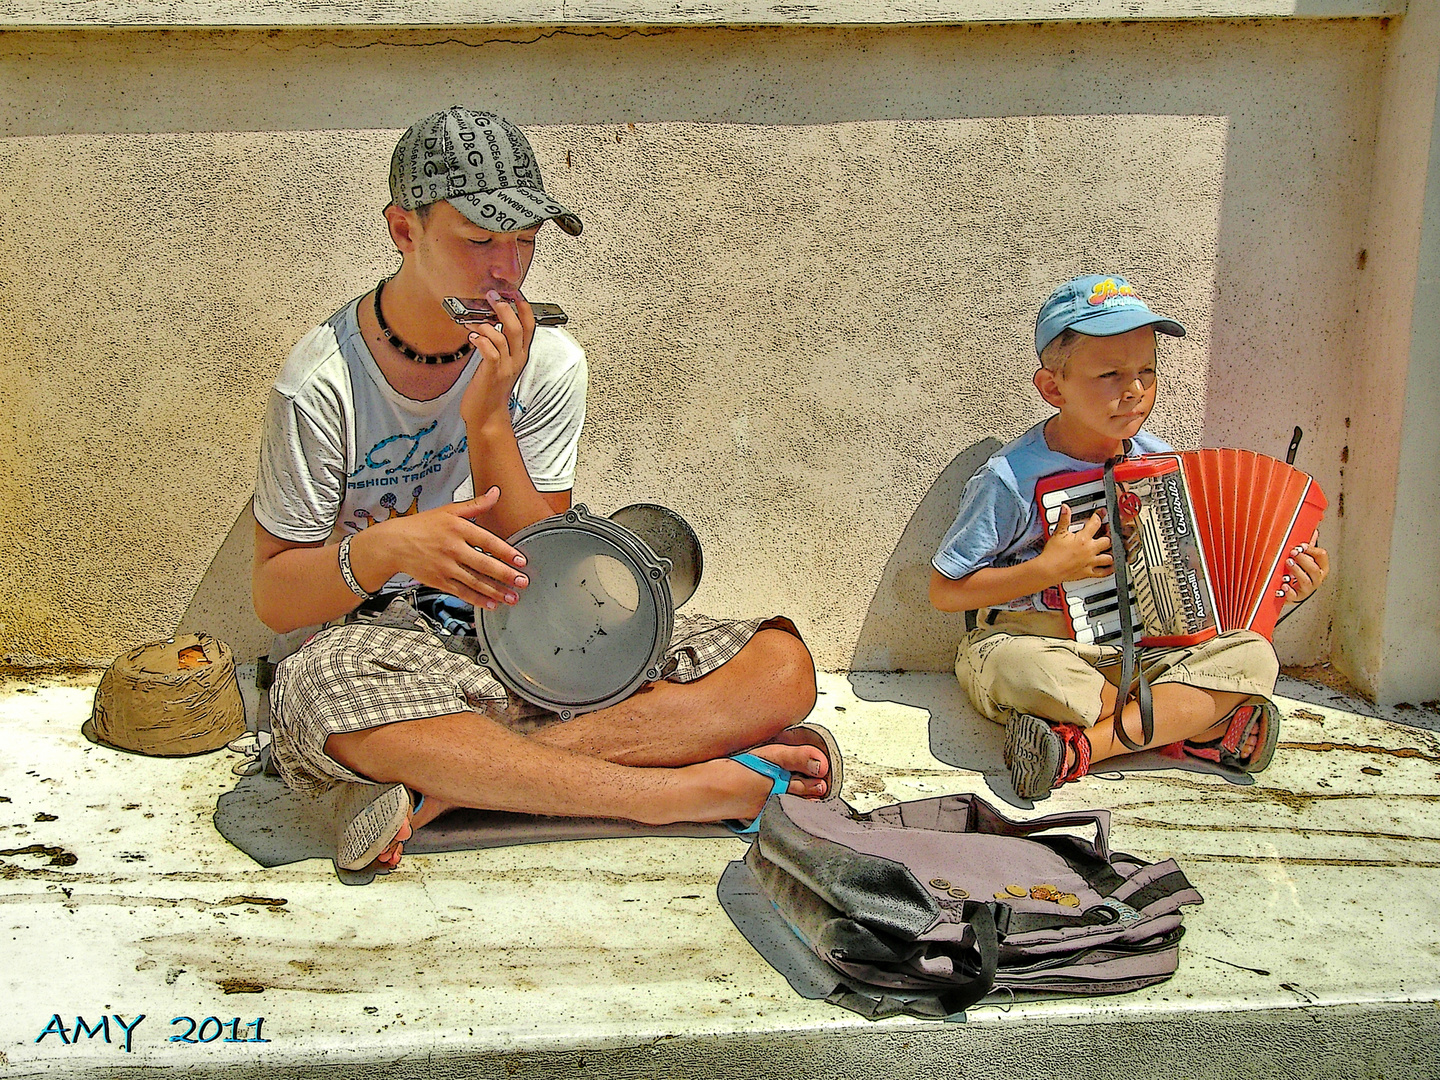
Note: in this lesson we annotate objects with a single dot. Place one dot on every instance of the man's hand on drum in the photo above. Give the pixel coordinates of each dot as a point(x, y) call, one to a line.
point(1306, 566)
point(445, 549)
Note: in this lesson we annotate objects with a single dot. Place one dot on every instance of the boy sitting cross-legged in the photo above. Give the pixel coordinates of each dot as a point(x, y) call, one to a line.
point(1056, 696)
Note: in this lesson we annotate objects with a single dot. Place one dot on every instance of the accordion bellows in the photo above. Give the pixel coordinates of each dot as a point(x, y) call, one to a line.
point(1206, 534)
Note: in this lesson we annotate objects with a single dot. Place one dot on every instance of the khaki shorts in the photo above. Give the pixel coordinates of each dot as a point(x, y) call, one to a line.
point(363, 675)
point(1004, 669)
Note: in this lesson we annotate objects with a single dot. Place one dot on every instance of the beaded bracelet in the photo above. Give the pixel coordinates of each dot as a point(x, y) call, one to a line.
point(347, 573)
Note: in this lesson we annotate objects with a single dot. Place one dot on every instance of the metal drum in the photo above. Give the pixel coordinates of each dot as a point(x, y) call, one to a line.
point(668, 535)
point(593, 625)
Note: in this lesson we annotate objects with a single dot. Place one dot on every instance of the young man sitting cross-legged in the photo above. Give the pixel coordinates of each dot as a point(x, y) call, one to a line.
point(390, 395)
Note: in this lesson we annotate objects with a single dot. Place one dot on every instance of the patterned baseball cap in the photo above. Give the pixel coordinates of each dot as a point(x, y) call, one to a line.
point(479, 163)
point(1098, 305)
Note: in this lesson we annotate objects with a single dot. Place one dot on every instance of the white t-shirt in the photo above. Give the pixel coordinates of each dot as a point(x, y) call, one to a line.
point(342, 449)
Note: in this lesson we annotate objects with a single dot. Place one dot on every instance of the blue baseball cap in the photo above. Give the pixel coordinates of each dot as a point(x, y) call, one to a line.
point(1098, 305)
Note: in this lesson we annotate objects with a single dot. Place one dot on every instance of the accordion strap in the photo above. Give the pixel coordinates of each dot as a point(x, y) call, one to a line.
point(1127, 625)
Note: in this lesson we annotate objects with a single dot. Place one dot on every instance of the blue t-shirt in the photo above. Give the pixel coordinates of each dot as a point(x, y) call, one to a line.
point(999, 524)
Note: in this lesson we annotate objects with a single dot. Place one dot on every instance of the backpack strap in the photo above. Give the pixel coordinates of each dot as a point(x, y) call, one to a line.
point(981, 920)
point(1170, 882)
point(983, 819)
point(1127, 625)
point(1091, 860)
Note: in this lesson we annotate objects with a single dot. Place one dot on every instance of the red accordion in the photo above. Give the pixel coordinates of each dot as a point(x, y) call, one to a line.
point(1206, 536)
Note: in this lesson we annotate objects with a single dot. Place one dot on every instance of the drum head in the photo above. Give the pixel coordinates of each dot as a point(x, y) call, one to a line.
point(592, 625)
point(669, 536)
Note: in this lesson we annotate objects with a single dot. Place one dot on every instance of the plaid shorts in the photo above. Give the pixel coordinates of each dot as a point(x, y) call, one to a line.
point(363, 675)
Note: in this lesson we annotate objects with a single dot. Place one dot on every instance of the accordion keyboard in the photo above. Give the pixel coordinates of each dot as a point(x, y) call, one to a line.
point(1093, 604)
point(1167, 598)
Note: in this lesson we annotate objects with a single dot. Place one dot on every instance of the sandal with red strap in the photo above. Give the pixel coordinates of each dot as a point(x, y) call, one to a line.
point(1036, 751)
point(1260, 719)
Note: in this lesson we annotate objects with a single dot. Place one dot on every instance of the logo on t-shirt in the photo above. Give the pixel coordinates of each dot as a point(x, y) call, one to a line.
point(388, 504)
point(402, 459)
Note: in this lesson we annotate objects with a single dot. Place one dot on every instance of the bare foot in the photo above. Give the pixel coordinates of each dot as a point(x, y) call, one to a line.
point(429, 810)
point(723, 789)
point(389, 859)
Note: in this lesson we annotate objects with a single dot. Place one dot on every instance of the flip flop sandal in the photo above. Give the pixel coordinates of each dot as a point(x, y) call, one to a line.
point(805, 734)
point(368, 817)
point(254, 748)
point(1035, 751)
point(781, 783)
point(811, 734)
point(1243, 721)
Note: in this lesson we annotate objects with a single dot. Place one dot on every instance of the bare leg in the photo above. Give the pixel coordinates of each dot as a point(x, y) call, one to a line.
point(466, 759)
point(769, 685)
point(1180, 712)
point(617, 762)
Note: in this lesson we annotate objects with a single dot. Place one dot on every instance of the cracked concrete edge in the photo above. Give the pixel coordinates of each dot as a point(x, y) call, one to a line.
point(1308, 1041)
point(296, 13)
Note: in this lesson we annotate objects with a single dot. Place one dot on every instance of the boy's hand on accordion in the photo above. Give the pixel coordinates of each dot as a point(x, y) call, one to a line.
point(1305, 568)
point(1070, 556)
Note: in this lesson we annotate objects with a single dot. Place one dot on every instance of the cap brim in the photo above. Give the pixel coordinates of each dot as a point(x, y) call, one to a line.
point(513, 209)
point(1110, 323)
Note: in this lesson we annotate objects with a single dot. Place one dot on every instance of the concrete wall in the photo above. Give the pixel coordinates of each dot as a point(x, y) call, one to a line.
point(810, 267)
point(447, 13)
point(1389, 597)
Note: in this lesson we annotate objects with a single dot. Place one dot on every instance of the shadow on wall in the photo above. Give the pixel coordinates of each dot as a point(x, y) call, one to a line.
point(901, 631)
point(221, 606)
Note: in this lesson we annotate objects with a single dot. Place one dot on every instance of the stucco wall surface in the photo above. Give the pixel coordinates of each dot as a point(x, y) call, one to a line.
point(1389, 581)
point(806, 285)
point(315, 13)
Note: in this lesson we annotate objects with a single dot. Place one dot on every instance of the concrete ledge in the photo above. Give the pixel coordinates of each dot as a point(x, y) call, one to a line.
point(1352, 1042)
point(392, 13)
point(1314, 954)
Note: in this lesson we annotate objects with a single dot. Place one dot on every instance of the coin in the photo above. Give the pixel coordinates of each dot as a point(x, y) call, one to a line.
point(939, 883)
point(959, 894)
point(1002, 896)
point(1069, 899)
point(1017, 890)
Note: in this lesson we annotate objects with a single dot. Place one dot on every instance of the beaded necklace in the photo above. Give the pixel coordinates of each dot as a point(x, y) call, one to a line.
point(405, 350)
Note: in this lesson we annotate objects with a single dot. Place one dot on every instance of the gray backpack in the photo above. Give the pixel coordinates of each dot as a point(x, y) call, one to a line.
point(926, 907)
